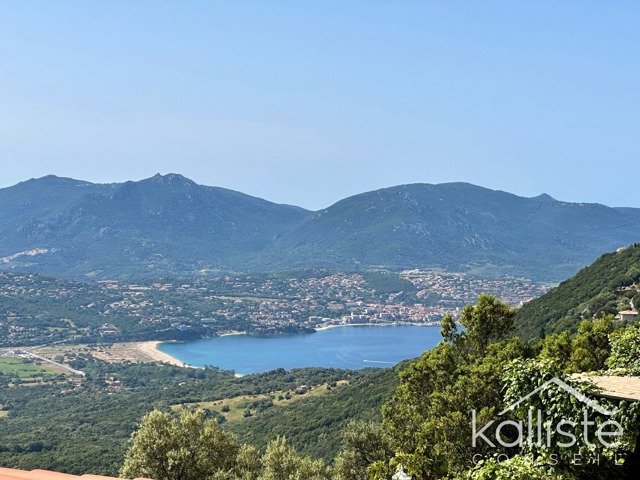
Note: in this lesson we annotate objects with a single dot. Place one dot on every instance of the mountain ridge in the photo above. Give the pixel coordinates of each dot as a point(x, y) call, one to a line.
point(168, 224)
point(458, 225)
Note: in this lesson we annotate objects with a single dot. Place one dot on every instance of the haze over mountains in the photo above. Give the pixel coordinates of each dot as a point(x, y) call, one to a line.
point(169, 224)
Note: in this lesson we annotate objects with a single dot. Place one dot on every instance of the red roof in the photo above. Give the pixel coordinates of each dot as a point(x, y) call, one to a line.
point(11, 474)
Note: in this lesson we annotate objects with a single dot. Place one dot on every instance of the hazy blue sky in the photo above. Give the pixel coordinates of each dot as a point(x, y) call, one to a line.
point(308, 102)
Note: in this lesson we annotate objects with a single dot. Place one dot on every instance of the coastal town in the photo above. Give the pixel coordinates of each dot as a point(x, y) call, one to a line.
point(37, 310)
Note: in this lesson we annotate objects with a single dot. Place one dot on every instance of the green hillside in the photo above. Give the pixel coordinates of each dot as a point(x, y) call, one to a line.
point(165, 223)
point(314, 425)
point(459, 227)
point(94, 420)
point(168, 224)
point(604, 287)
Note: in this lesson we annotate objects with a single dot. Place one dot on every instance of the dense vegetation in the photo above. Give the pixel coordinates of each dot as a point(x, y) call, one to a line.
point(190, 447)
point(605, 287)
point(169, 224)
point(426, 423)
point(81, 426)
point(314, 426)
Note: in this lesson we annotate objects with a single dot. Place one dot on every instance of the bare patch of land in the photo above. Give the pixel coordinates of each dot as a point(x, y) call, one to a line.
point(134, 352)
point(237, 408)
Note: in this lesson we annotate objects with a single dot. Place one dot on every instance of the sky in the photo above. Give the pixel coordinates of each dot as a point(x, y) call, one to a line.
point(309, 102)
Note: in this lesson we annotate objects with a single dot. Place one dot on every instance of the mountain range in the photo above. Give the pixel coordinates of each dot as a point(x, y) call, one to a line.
point(168, 224)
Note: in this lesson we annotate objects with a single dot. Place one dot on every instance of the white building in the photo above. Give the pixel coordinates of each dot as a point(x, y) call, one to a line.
point(625, 315)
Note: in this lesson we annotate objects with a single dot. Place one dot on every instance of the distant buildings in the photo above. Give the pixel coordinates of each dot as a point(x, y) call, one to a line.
point(208, 306)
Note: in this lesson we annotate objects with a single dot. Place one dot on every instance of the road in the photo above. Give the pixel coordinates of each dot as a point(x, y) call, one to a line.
point(32, 355)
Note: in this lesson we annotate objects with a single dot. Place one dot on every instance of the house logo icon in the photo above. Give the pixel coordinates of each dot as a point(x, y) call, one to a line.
point(581, 397)
point(548, 428)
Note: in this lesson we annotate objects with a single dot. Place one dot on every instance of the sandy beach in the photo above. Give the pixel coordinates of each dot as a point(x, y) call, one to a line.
point(151, 350)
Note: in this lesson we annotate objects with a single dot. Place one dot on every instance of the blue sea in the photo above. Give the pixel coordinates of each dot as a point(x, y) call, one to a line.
point(351, 347)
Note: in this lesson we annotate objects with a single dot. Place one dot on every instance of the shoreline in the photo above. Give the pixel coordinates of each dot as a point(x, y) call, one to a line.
point(400, 324)
point(232, 334)
point(151, 350)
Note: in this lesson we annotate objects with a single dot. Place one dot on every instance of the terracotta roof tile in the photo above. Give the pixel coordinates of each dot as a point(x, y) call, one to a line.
point(11, 474)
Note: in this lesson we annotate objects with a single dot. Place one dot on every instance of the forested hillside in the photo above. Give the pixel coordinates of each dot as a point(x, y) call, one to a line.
point(89, 422)
point(165, 223)
point(460, 227)
point(168, 224)
point(314, 426)
point(605, 287)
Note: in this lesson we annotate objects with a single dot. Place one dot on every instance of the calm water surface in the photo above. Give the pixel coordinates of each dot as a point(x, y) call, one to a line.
point(344, 347)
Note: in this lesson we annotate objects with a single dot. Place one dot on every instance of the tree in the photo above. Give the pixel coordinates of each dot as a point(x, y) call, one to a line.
point(248, 463)
point(426, 422)
point(362, 446)
point(518, 467)
point(591, 345)
point(559, 407)
point(282, 462)
point(448, 329)
point(557, 348)
point(489, 320)
point(247, 466)
point(625, 350)
point(185, 447)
